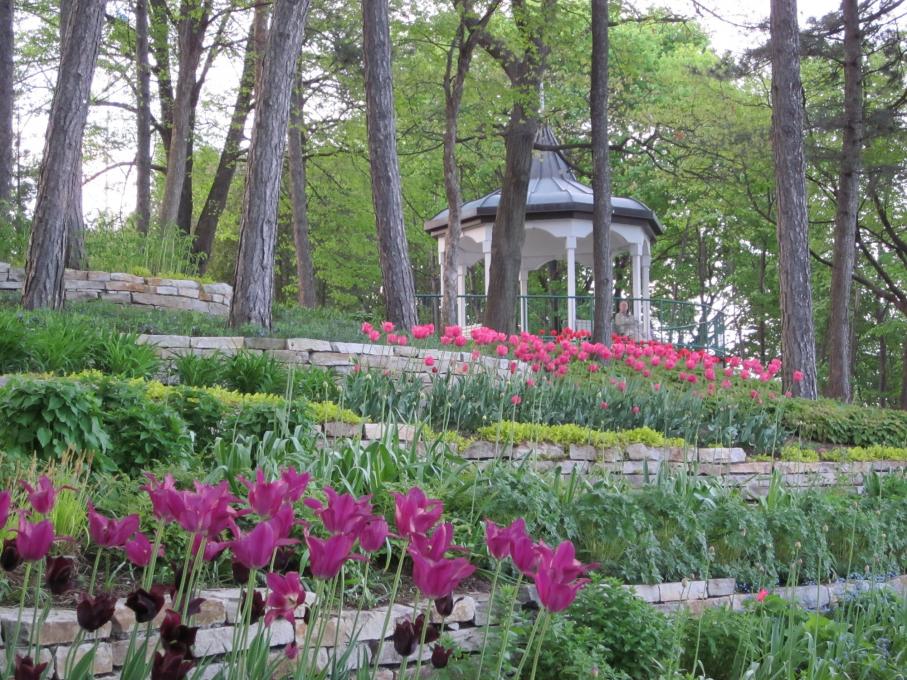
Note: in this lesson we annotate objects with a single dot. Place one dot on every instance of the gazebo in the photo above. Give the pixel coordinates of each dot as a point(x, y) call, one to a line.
point(558, 226)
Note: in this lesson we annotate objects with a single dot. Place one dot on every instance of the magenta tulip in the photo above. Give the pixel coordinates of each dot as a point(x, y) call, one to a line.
point(499, 539)
point(557, 577)
point(296, 483)
point(438, 578)
point(110, 533)
point(373, 534)
point(41, 498)
point(327, 556)
point(286, 594)
point(254, 549)
point(5, 499)
point(166, 500)
point(265, 498)
point(138, 550)
point(524, 553)
point(33, 540)
point(414, 513)
point(436, 545)
point(343, 513)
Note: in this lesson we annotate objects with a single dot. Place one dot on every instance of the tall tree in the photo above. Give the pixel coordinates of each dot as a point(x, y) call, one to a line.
point(296, 140)
point(205, 228)
point(839, 321)
point(47, 246)
point(459, 57)
point(7, 97)
point(76, 257)
point(387, 197)
point(601, 176)
point(798, 345)
point(524, 69)
point(253, 285)
point(142, 120)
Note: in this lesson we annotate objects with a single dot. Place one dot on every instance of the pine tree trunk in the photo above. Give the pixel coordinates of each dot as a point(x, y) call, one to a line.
point(798, 346)
point(305, 270)
point(839, 322)
point(205, 229)
point(191, 31)
point(253, 286)
point(509, 231)
point(75, 221)
point(903, 401)
point(142, 120)
point(66, 123)
point(393, 250)
point(7, 98)
point(601, 176)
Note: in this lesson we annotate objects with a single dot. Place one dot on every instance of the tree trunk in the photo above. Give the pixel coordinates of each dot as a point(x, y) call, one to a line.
point(903, 401)
point(7, 98)
point(601, 176)
point(159, 41)
point(253, 285)
point(393, 250)
point(203, 245)
point(142, 120)
point(305, 271)
point(75, 221)
point(66, 122)
point(798, 346)
point(839, 321)
point(509, 231)
point(191, 31)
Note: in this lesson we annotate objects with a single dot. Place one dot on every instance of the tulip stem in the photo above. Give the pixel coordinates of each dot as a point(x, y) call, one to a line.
point(505, 639)
point(532, 635)
point(94, 573)
point(33, 637)
point(11, 648)
point(538, 647)
point(426, 622)
point(494, 585)
point(390, 609)
point(148, 576)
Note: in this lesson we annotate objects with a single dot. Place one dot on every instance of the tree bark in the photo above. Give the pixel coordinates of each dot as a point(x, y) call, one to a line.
point(68, 111)
point(206, 227)
point(75, 221)
point(903, 401)
point(601, 176)
point(305, 270)
point(253, 286)
point(393, 250)
point(191, 27)
point(142, 120)
point(798, 346)
point(7, 98)
point(839, 322)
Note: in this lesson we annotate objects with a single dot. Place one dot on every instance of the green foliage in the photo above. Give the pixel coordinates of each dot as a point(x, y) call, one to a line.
point(837, 423)
point(111, 248)
point(565, 435)
point(251, 372)
point(13, 347)
point(61, 344)
point(50, 417)
point(197, 370)
point(121, 354)
point(608, 625)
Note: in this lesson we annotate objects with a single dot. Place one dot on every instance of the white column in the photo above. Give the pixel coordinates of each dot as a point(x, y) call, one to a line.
point(571, 282)
point(441, 263)
point(637, 281)
point(646, 294)
point(524, 303)
point(461, 292)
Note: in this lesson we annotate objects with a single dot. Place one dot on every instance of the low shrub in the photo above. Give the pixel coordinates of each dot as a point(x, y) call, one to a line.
point(120, 354)
point(832, 422)
point(196, 370)
point(565, 435)
point(251, 373)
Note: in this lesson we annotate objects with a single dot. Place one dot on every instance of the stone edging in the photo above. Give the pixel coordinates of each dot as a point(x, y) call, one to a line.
point(128, 289)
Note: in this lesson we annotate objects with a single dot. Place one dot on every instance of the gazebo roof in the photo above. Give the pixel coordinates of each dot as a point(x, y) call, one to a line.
point(553, 191)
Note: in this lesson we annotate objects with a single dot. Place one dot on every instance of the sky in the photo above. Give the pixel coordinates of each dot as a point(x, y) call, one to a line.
point(731, 25)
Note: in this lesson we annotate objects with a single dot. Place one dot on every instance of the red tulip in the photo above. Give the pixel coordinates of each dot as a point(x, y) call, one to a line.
point(176, 637)
point(146, 605)
point(9, 556)
point(58, 574)
point(110, 533)
point(170, 666)
point(34, 540)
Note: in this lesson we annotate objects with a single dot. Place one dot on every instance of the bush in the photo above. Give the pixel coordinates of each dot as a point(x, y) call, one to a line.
point(120, 354)
point(830, 421)
point(50, 417)
point(61, 344)
point(252, 373)
point(13, 346)
point(196, 370)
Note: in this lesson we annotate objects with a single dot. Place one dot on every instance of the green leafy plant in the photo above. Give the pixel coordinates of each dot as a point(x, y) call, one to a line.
point(121, 354)
point(251, 372)
point(197, 370)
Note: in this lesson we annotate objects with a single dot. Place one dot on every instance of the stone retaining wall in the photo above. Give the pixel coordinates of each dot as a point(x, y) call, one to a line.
point(465, 625)
point(340, 357)
point(639, 463)
point(128, 289)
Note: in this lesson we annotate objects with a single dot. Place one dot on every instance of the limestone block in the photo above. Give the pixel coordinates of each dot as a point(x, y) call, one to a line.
point(639, 467)
point(16, 274)
point(187, 292)
point(812, 597)
point(689, 590)
point(123, 619)
point(218, 288)
point(10, 285)
point(75, 274)
point(265, 343)
point(340, 430)
point(168, 341)
point(721, 587)
point(583, 452)
point(308, 345)
point(128, 286)
point(221, 343)
point(643, 452)
point(79, 284)
point(542, 450)
point(646, 593)
point(287, 356)
point(406, 351)
point(118, 297)
point(166, 290)
point(76, 295)
point(129, 278)
point(97, 276)
point(480, 450)
point(60, 627)
point(328, 359)
point(103, 658)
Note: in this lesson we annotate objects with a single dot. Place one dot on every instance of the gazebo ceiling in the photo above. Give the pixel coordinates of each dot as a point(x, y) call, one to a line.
point(554, 192)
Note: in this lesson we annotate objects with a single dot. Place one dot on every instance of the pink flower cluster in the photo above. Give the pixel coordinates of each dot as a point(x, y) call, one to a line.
point(556, 571)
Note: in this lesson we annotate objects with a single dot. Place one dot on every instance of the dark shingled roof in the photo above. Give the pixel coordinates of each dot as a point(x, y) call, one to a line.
point(553, 188)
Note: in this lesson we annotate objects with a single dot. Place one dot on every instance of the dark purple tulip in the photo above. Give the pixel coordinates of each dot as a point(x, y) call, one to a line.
point(9, 556)
point(440, 656)
point(94, 612)
point(177, 637)
point(170, 666)
point(444, 606)
point(145, 605)
point(26, 669)
point(58, 574)
point(404, 637)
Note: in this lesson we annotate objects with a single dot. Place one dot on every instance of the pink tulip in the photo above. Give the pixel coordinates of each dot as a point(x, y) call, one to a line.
point(41, 498)
point(366, 328)
point(373, 534)
point(429, 361)
point(34, 540)
point(296, 483)
point(110, 533)
point(5, 500)
point(327, 556)
point(557, 577)
point(502, 350)
point(286, 594)
point(524, 553)
point(761, 595)
point(422, 332)
point(499, 539)
point(415, 513)
point(516, 400)
point(436, 579)
point(374, 335)
point(166, 499)
point(265, 498)
point(798, 376)
point(387, 326)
